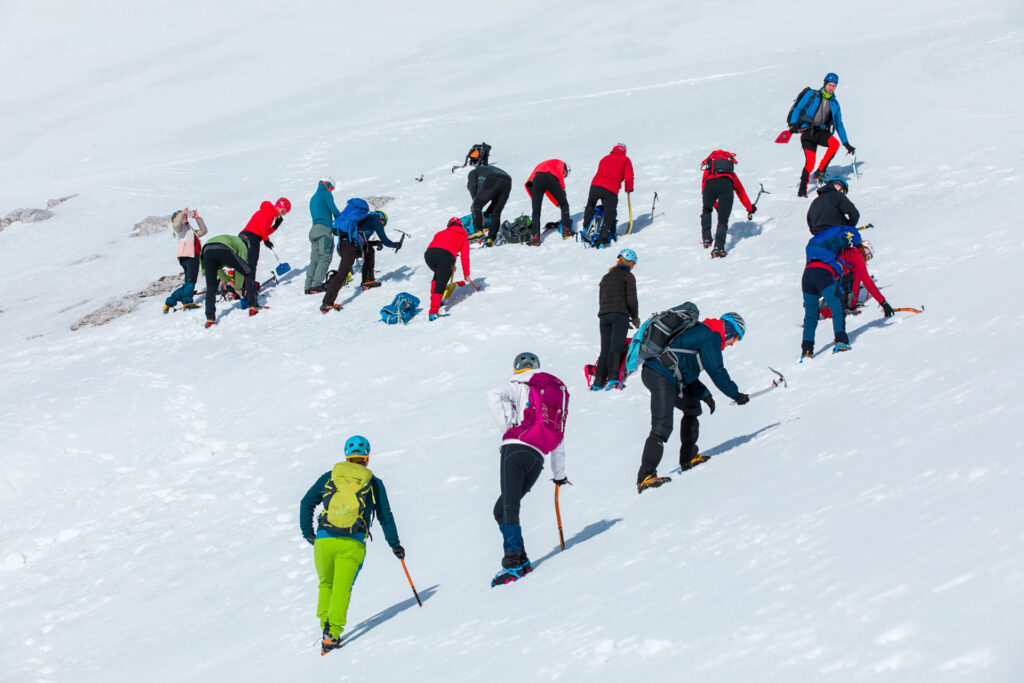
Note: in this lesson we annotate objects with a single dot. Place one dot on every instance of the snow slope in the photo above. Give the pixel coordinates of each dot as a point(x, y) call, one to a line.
point(862, 523)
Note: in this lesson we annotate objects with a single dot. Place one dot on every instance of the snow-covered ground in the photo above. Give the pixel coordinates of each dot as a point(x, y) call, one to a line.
point(863, 523)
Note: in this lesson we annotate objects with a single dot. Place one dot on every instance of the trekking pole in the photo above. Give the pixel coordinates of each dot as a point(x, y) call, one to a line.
point(629, 203)
point(415, 594)
point(653, 201)
point(558, 516)
point(866, 227)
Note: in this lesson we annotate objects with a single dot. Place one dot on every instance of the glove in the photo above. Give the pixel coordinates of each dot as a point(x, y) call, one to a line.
point(794, 127)
point(887, 309)
point(399, 552)
point(562, 482)
point(460, 283)
point(635, 322)
point(311, 539)
point(850, 149)
point(711, 403)
point(268, 244)
point(742, 399)
point(750, 214)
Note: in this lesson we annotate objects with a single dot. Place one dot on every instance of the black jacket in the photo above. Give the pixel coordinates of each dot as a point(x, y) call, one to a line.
point(618, 293)
point(479, 176)
point(831, 207)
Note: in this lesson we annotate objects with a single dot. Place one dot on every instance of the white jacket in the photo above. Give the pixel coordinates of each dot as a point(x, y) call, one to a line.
point(507, 405)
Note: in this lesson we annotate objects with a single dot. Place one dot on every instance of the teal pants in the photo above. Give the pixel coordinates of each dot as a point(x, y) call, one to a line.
point(321, 250)
point(338, 561)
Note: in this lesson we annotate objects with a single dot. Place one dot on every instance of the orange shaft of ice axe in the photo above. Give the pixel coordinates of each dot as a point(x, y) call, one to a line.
point(417, 595)
point(558, 516)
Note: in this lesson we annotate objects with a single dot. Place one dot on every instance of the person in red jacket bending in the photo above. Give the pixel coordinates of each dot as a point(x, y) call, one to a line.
point(548, 179)
point(261, 226)
point(717, 187)
point(611, 172)
point(440, 258)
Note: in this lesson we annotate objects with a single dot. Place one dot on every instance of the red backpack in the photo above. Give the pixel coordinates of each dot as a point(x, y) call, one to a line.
point(719, 162)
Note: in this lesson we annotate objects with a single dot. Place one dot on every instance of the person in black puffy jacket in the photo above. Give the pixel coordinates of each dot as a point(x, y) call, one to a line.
point(832, 207)
point(617, 308)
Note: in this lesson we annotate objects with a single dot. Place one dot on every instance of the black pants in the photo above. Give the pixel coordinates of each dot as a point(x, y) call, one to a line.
point(442, 262)
point(614, 327)
point(610, 203)
point(665, 398)
point(252, 245)
point(716, 190)
point(495, 191)
point(348, 253)
point(543, 183)
point(216, 256)
point(812, 138)
point(520, 468)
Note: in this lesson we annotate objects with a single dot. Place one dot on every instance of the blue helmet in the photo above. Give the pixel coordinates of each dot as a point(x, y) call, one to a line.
point(832, 78)
point(737, 322)
point(357, 446)
point(628, 255)
point(841, 181)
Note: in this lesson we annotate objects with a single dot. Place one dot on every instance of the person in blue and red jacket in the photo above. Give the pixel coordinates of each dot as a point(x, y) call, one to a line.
point(717, 187)
point(548, 178)
point(814, 116)
point(440, 257)
point(261, 226)
point(699, 349)
point(614, 169)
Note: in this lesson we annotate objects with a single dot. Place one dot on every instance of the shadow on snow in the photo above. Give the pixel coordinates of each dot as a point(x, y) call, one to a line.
point(367, 625)
point(584, 534)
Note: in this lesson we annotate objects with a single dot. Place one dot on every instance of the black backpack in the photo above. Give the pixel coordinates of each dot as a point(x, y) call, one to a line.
point(795, 102)
point(517, 231)
point(657, 332)
point(719, 162)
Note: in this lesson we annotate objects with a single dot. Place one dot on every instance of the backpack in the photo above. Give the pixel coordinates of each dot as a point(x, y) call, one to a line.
point(348, 496)
point(789, 116)
point(401, 310)
point(345, 225)
point(591, 232)
point(517, 231)
point(472, 233)
point(719, 162)
point(657, 332)
point(826, 245)
point(478, 154)
point(543, 423)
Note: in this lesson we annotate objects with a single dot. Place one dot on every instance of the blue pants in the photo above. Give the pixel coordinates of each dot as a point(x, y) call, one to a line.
point(820, 282)
point(185, 293)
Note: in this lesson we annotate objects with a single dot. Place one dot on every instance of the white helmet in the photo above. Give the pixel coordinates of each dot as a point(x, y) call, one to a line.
point(327, 179)
point(867, 250)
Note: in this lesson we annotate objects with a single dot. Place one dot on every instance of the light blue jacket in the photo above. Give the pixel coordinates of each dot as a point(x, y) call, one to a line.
point(322, 208)
point(808, 105)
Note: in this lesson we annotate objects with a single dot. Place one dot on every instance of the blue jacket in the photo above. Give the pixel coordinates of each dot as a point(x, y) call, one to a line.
point(808, 105)
point(708, 344)
point(381, 509)
point(322, 207)
point(373, 225)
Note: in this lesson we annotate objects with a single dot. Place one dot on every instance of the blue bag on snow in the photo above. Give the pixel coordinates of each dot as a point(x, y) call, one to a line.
point(346, 224)
point(401, 310)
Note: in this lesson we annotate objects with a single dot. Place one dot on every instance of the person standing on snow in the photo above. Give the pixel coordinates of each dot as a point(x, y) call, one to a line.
point(697, 349)
point(531, 411)
point(832, 207)
point(717, 187)
point(261, 226)
point(371, 226)
point(617, 308)
point(614, 169)
point(351, 496)
point(488, 185)
point(814, 116)
point(189, 248)
point(440, 258)
point(548, 178)
point(227, 251)
point(323, 211)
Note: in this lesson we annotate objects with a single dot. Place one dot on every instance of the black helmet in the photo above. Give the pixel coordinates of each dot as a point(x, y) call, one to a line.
point(526, 361)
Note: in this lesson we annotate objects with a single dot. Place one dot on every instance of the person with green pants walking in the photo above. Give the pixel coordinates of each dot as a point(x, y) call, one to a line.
point(351, 495)
point(323, 211)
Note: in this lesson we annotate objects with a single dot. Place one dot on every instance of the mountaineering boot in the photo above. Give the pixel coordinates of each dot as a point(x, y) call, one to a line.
point(819, 176)
point(510, 574)
point(190, 306)
point(719, 252)
point(693, 462)
point(210, 323)
point(707, 244)
point(612, 384)
point(840, 347)
point(327, 308)
point(168, 309)
point(596, 387)
point(804, 177)
point(806, 353)
point(254, 310)
point(329, 642)
point(432, 317)
point(370, 285)
point(316, 289)
point(651, 481)
point(488, 242)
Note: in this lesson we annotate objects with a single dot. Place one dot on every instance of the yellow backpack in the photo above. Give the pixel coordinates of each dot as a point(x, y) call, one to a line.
point(348, 499)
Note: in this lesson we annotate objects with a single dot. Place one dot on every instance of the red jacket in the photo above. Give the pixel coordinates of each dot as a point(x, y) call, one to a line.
point(453, 239)
point(737, 186)
point(613, 169)
point(855, 264)
point(262, 222)
point(555, 167)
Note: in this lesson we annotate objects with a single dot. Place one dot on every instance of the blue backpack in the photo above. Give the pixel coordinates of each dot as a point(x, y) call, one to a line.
point(346, 224)
point(826, 245)
point(401, 310)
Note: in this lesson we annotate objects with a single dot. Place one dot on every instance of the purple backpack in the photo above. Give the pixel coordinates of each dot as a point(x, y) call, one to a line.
point(543, 425)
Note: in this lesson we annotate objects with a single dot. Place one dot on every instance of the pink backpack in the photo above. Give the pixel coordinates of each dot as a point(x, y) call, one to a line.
point(543, 425)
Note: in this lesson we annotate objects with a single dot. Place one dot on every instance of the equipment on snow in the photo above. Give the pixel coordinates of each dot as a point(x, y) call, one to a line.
point(629, 205)
point(653, 202)
point(590, 235)
point(414, 593)
point(517, 231)
point(346, 224)
point(401, 310)
point(477, 155)
point(558, 518)
point(282, 266)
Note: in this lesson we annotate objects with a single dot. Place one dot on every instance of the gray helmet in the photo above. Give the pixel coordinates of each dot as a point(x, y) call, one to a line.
point(526, 361)
point(737, 322)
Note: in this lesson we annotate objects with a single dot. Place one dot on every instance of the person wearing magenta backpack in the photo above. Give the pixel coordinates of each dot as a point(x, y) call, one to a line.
point(531, 412)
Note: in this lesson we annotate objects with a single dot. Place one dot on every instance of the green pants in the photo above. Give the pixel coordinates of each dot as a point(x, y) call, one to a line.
point(321, 250)
point(338, 561)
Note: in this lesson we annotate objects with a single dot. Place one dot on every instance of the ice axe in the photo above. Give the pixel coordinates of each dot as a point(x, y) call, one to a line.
point(778, 382)
point(653, 202)
point(629, 203)
point(558, 517)
point(908, 309)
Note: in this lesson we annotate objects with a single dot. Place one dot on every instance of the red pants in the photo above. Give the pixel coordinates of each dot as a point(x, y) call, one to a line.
point(810, 154)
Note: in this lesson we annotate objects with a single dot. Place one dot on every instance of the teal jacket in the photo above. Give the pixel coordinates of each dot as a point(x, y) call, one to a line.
point(381, 509)
point(322, 208)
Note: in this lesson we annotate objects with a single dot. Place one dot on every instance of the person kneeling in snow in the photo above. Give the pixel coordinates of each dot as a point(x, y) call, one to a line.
point(351, 495)
point(531, 410)
point(440, 258)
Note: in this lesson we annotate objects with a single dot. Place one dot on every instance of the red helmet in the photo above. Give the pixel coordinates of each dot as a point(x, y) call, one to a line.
point(283, 203)
point(454, 221)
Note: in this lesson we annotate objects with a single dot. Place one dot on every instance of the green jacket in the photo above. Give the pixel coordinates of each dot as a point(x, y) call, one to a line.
point(235, 244)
